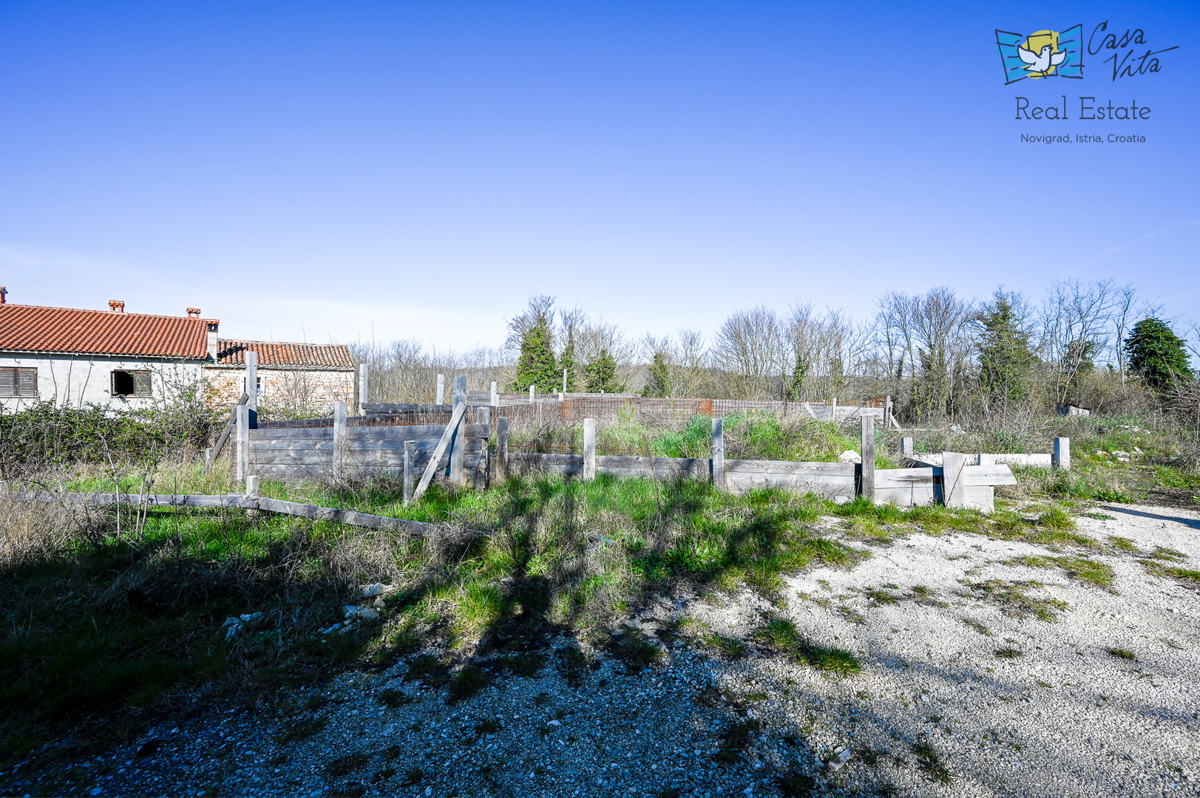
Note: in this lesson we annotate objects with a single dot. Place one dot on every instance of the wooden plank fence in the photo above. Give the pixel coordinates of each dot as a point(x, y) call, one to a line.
point(235, 501)
point(458, 450)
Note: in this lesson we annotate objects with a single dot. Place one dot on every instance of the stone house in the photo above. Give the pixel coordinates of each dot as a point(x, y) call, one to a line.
point(294, 380)
point(125, 360)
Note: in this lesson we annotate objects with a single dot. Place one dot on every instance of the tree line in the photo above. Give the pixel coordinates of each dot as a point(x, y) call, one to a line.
point(939, 355)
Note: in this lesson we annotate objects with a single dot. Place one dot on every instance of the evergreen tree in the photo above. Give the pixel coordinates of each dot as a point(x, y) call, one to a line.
point(1005, 356)
point(536, 365)
point(1156, 354)
point(567, 363)
point(601, 374)
point(658, 385)
point(799, 371)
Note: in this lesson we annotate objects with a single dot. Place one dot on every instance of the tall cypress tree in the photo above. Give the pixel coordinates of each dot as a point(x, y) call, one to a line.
point(795, 390)
point(601, 374)
point(1005, 356)
point(536, 365)
point(567, 363)
point(658, 383)
point(1157, 355)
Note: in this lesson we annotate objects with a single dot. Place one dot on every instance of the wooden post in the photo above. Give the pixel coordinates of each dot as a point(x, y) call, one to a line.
point(589, 448)
point(339, 440)
point(532, 389)
point(495, 395)
point(867, 441)
point(954, 492)
point(241, 468)
point(564, 390)
point(906, 447)
point(456, 418)
point(410, 462)
point(226, 431)
point(441, 389)
point(252, 387)
point(1061, 457)
point(833, 417)
point(887, 412)
point(718, 452)
point(362, 388)
point(485, 463)
point(501, 449)
point(458, 441)
point(251, 492)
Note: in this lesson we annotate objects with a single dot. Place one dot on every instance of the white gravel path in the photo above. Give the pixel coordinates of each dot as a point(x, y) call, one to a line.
point(935, 711)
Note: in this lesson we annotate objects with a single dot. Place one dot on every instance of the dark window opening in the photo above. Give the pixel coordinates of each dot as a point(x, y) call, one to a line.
point(131, 383)
point(18, 382)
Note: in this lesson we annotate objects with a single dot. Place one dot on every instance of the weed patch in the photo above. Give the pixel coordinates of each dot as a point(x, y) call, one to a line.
point(781, 635)
point(300, 730)
point(1013, 598)
point(931, 762)
point(1078, 568)
point(736, 738)
point(469, 680)
point(635, 651)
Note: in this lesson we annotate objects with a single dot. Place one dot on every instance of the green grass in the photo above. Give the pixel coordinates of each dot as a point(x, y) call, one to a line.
point(107, 626)
point(1014, 599)
point(931, 762)
point(1078, 568)
point(782, 636)
point(1121, 653)
point(1184, 575)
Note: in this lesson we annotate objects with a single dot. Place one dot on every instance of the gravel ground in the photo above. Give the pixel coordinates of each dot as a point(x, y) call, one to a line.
point(964, 691)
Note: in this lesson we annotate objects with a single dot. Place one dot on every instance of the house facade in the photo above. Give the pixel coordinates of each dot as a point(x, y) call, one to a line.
point(293, 379)
point(77, 357)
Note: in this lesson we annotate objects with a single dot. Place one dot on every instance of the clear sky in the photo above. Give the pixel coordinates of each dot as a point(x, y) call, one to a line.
point(392, 170)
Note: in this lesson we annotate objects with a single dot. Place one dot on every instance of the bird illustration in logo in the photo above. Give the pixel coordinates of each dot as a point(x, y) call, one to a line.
point(1041, 62)
point(1042, 54)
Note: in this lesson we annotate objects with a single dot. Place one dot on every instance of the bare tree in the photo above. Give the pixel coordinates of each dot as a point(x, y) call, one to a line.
point(929, 345)
point(751, 348)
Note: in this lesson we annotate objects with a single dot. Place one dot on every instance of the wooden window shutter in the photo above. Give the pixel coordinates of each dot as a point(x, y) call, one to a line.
point(141, 383)
point(8, 382)
point(26, 380)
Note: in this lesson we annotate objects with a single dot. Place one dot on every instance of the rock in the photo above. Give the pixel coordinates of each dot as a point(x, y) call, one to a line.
point(849, 456)
point(555, 723)
point(368, 614)
point(840, 760)
point(250, 618)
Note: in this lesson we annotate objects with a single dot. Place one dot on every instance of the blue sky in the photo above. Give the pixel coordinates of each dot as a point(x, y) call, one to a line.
point(348, 170)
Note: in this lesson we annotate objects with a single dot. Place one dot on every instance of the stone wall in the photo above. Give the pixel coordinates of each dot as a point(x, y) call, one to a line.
point(283, 393)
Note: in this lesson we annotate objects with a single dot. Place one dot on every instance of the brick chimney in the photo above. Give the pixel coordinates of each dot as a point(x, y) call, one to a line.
point(212, 340)
point(3, 293)
point(193, 313)
point(116, 306)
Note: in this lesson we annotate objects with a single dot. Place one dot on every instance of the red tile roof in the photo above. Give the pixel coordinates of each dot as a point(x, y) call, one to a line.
point(270, 353)
point(29, 328)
